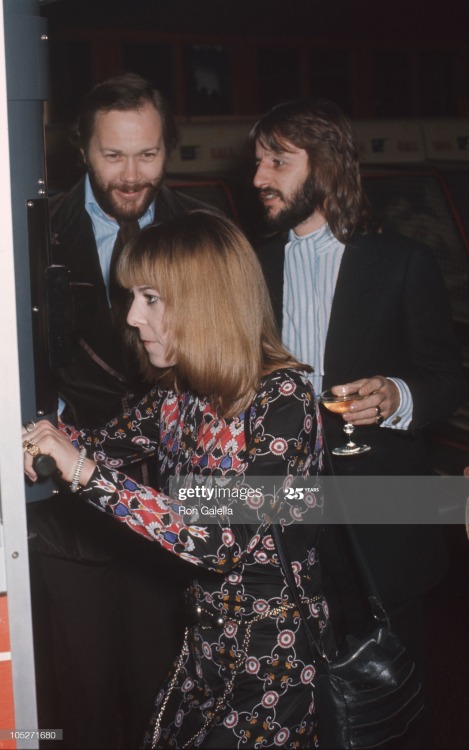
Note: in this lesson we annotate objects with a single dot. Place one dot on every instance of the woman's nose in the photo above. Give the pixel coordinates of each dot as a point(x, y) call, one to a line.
point(134, 317)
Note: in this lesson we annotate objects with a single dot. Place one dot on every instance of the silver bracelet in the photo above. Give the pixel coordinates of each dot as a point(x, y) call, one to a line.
point(76, 474)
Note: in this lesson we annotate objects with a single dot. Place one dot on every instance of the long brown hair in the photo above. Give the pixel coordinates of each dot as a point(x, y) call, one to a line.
point(325, 133)
point(217, 308)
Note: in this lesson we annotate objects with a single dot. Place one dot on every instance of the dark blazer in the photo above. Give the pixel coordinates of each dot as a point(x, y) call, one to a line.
point(390, 316)
point(97, 382)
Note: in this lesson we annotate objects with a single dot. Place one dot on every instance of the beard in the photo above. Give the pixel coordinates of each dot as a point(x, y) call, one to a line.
point(131, 209)
point(297, 209)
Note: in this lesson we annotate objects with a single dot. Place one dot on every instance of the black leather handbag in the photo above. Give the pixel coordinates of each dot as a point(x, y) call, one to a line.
point(367, 694)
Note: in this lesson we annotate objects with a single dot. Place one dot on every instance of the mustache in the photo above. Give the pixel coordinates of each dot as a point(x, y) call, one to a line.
point(128, 187)
point(269, 191)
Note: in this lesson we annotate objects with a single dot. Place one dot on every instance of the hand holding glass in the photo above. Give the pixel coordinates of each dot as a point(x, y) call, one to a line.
point(339, 405)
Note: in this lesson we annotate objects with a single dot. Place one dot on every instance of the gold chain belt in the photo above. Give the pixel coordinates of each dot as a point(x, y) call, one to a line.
point(242, 655)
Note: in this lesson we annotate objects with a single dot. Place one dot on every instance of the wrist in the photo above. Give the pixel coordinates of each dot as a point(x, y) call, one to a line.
point(87, 472)
point(82, 472)
point(75, 483)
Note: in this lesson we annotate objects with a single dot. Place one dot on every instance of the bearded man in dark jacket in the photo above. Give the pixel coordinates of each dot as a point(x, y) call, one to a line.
point(368, 311)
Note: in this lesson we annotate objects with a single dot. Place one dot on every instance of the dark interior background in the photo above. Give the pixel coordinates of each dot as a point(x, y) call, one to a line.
point(376, 58)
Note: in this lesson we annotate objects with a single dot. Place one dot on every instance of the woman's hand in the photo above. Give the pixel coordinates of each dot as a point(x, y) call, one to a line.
point(51, 441)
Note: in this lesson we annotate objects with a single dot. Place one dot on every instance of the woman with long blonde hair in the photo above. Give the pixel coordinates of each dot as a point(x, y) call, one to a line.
point(227, 402)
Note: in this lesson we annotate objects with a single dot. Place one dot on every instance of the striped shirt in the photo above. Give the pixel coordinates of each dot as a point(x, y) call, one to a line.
point(311, 269)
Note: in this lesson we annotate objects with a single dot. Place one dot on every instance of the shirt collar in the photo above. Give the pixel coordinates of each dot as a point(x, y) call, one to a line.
point(322, 233)
point(320, 241)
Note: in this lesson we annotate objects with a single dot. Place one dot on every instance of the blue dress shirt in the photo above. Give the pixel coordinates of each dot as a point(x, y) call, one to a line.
point(105, 228)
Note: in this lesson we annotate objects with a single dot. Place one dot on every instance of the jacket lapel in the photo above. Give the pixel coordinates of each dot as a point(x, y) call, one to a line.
point(272, 257)
point(73, 242)
point(74, 246)
point(356, 293)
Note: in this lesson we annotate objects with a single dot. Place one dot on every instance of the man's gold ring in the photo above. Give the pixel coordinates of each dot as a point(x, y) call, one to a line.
point(31, 448)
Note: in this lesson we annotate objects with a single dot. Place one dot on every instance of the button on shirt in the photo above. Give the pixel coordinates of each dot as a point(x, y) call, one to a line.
point(105, 229)
point(311, 269)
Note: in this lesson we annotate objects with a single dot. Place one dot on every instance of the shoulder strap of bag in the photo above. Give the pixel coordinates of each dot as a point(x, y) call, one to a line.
point(285, 564)
point(362, 567)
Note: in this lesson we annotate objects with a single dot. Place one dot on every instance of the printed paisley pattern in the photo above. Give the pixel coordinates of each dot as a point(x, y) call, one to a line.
point(271, 703)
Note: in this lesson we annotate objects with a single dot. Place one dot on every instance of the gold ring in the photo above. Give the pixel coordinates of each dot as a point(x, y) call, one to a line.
point(378, 411)
point(31, 448)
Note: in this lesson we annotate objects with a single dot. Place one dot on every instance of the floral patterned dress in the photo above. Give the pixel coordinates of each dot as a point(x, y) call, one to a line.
point(245, 675)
